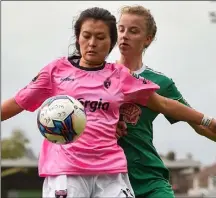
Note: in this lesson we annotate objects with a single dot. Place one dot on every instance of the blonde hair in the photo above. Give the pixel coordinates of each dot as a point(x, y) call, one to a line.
point(141, 11)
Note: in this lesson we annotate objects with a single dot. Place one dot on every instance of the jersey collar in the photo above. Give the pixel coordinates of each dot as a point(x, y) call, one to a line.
point(141, 70)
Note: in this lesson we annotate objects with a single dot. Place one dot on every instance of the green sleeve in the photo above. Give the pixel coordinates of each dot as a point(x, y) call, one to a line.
point(172, 92)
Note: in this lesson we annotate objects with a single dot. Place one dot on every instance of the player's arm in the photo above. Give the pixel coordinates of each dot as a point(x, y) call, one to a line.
point(172, 92)
point(31, 96)
point(9, 109)
point(179, 111)
point(174, 109)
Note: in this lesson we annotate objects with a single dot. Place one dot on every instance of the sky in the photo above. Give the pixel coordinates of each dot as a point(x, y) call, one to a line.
point(34, 33)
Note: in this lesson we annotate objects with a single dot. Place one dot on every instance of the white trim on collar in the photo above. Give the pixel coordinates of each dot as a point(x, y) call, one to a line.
point(141, 70)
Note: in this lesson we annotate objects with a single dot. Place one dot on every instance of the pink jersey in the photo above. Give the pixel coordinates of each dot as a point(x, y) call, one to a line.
point(101, 91)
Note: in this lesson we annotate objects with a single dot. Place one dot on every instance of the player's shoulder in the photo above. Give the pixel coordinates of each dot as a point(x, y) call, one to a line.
point(52, 64)
point(55, 64)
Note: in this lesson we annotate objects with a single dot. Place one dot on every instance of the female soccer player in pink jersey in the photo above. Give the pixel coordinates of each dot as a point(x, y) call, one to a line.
point(94, 165)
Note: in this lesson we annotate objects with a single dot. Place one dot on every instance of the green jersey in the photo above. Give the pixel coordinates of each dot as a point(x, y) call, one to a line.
point(145, 167)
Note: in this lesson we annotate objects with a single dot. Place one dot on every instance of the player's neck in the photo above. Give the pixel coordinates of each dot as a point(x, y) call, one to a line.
point(133, 64)
point(88, 64)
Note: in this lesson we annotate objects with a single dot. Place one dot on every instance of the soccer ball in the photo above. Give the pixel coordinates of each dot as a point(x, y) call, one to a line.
point(61, 119)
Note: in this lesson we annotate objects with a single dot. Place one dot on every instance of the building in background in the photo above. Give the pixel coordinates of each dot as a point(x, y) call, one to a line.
point(182, 173)
point(204, 182)
point(19, 177)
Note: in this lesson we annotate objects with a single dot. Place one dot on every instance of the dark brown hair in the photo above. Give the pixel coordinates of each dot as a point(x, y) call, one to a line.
point(97, 14)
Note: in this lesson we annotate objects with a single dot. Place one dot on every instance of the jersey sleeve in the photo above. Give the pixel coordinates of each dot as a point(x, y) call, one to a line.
point(135, 88)
point(172, 92)
point(37, 91)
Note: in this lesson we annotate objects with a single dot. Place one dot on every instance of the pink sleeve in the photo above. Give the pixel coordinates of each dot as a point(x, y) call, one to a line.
point(136, 88)
point(37, 91)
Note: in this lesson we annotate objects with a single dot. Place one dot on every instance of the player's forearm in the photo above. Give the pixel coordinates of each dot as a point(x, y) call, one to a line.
point(201, 130)
point(181, 112)
point(9, 108)
point(174, 109)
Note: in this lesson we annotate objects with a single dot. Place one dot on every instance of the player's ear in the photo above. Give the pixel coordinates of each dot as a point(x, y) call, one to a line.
point(147, 41)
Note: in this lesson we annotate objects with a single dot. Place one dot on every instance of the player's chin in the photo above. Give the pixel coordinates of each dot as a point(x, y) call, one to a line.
point(125, 52)
point(94, 60)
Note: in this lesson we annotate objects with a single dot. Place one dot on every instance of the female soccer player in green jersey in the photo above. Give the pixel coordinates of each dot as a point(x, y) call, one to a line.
point(148, 175)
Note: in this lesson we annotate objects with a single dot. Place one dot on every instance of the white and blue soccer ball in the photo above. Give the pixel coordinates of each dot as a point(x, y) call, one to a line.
point(61, 119)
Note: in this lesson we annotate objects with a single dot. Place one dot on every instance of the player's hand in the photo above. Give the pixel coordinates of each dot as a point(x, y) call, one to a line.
point(212, 126)
point(121, 129)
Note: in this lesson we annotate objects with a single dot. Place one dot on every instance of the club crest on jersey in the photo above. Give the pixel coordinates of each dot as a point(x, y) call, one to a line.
point(107, 83)
point(130, 113)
